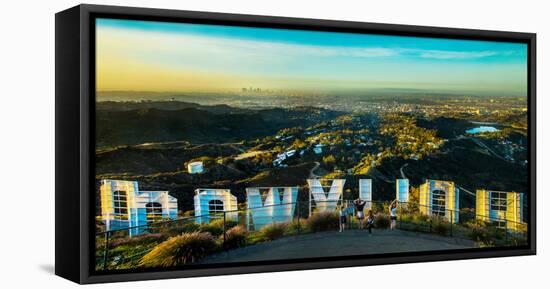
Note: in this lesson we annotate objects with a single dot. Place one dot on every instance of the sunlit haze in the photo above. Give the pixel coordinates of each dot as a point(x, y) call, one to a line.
point(177, 57)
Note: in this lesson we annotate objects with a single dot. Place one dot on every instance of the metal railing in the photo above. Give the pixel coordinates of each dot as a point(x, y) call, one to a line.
point(107, 241)
point(462, 224)
point(128, 245)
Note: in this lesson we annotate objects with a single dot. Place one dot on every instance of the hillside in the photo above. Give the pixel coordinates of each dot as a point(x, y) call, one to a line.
point(197, 124)
point(158, 158)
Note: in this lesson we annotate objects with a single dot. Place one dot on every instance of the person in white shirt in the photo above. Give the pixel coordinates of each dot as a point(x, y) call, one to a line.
point(343, 217)
point(393, 214)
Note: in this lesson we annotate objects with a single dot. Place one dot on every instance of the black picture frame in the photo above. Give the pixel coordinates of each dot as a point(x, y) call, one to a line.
point(75, 108)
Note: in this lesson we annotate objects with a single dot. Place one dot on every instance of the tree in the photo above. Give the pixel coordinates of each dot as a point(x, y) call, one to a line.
point(329, 160)
point(298, 144)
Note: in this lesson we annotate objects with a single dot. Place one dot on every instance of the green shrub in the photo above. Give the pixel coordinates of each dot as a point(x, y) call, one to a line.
point(487, 236)
point(478, 234)
point(138, 240)
point(439, 227)
point(379, 207)
point(273, 231)
point(486, 244)
point(382, 221)
point(215, 227)
point(235, 238)
point(406, 218)
point(189, 227)
point(497, 233)
point(483, 233)
point(230, 224)
point(296, 227)
point(179, 228)
point(412, 208)
point(475, 224)
point(420, 218)
point(254, 237)
point(516, 241)
point(483, 239)
point(184, 249)
point(416, 227)
point(323, 221)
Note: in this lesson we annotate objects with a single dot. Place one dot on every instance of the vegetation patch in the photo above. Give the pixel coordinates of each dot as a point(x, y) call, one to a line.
point(273, 231)
point(297, 227)
point(235, 237)
point(382, 221)
point(138, 240)
point(216, 227)
point(180, 250)
point(177, 228)
point(323, 221)
point(440, 227)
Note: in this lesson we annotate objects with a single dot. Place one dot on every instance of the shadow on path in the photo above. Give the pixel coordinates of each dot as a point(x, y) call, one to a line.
point(329, 244)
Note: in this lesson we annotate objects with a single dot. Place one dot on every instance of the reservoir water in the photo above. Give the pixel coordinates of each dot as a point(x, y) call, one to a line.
point(481, 129)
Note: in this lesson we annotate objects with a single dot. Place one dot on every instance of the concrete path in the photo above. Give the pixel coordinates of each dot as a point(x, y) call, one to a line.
point(348, 243)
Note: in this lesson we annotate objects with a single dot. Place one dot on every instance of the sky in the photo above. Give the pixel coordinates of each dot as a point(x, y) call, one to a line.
point(179, 57)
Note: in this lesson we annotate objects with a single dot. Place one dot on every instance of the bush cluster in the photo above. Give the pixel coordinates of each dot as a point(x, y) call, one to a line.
point(180, 228)
point(323, 221)
point(482, 237)
point(235, 238)
point(420, 218)
point(440, 227)
point(273, 231)
point(216, 227)
point(382, 221)
point(296, 227)
point(180, 250)
point(138, 240)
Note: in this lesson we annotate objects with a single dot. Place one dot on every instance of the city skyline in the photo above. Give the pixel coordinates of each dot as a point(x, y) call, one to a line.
point(176, 57)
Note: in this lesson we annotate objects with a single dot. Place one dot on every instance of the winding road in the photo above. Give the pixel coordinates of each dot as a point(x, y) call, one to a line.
point(403, 176)
point(312, 175)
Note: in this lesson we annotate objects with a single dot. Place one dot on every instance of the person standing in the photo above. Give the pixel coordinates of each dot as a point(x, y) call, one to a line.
point(359, 206)
point(370, 221)
point(343, 217)
point(393, 214)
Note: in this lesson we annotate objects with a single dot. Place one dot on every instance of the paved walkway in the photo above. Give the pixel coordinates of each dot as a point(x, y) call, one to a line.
point(329, 244)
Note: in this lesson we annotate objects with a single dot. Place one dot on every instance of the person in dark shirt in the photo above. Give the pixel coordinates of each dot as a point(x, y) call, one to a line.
point(370, 221)
point(359, 206)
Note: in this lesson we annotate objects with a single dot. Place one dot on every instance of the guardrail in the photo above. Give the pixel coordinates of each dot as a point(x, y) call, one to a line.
point(410, 217)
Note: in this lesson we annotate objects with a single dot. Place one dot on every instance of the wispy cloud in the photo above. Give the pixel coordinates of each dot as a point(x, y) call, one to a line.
point(443, 54)
point(332, 51)
point(130, 58)
point(175, 45)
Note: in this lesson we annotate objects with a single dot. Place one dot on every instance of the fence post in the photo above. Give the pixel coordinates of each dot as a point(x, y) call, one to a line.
point(506, 231)
point(249, 221)
point(309, 213)
point(399, 216)
point(452, 221)
point(224, 213)
point(298, 215)
point(106, 250)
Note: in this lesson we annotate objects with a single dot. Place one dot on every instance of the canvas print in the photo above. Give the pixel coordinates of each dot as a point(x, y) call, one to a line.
point(227, 145)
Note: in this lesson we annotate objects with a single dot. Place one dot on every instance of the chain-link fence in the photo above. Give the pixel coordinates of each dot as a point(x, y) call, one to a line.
point(123, 248)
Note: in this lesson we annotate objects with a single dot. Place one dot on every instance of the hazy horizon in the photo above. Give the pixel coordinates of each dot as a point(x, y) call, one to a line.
point(159, 57)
